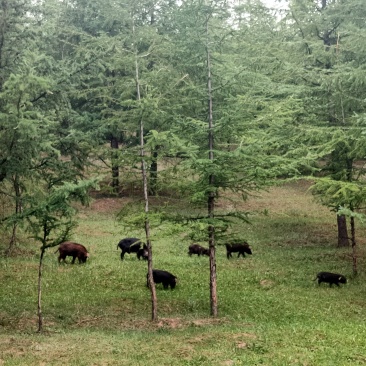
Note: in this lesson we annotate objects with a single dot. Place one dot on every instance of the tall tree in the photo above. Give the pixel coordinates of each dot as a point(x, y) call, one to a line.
point(154, 311)
point(211, 179)
point(333, 72)
point(23, 125)
point(35, 111)
point(50, 218)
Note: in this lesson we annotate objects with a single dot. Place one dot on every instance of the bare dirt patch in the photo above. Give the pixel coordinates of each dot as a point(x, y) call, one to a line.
point(161, 323)
point(170, 323)
point(266, 284)
point(110, 205)
point(291, 198)
point(227, 363)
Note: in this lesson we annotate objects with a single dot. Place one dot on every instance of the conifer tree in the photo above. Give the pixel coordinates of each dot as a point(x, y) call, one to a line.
point(328, 31)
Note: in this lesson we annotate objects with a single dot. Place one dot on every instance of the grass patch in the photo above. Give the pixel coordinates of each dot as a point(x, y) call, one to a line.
point(271, 312)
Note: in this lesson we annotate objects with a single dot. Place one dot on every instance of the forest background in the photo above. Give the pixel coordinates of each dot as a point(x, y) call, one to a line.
point(287, 101)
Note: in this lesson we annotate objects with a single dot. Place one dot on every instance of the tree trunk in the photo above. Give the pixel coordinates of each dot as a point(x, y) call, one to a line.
point(40, 317)
point(18, 209)
point(211, 195)
point(12, 239)
point(150, 279)
point(353, 240)
point(342, 231)
point(154, 172)
point(115, 165)
point(213, 283)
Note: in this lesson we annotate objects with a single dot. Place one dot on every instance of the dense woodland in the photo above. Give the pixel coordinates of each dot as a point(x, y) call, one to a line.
point(203, 97)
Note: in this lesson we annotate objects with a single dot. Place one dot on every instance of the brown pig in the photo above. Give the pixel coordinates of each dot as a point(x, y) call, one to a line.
point(74, 250)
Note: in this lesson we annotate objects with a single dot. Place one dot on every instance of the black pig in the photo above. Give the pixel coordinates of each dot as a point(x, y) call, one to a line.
point(197, 249)
point(164, 277)
point(241, 249)
point(129, 245)
point(143, 253)
point(331, 278)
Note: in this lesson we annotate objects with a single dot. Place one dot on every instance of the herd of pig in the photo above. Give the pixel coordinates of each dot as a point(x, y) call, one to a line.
point(133, 245)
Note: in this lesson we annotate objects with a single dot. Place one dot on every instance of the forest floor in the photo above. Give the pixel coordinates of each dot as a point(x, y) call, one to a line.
point(271, 312)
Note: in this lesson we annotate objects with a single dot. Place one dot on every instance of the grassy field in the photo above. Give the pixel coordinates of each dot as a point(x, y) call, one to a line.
point(271, 312)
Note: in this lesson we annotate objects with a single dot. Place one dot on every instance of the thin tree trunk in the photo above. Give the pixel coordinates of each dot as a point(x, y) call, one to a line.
point(115, 165)
point(154, 308)
point(154, 172)
point(40, 317)
point(353, 240)
point(211, 196)
point(213, 283)
point(13, 239)
point(18, 209)
point(343, 240)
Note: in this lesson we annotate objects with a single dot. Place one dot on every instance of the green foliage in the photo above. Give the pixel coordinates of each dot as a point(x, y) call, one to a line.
point(286, 94)
point(345, 185)
point(50, 215)
point(325, 63)
point(334, 193)
point(169, 144)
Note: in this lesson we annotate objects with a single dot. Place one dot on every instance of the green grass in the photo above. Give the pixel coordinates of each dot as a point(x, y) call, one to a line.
point(271, 312)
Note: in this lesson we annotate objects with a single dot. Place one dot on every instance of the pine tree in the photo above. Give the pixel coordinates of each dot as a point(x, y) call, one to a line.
point(333, 73)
